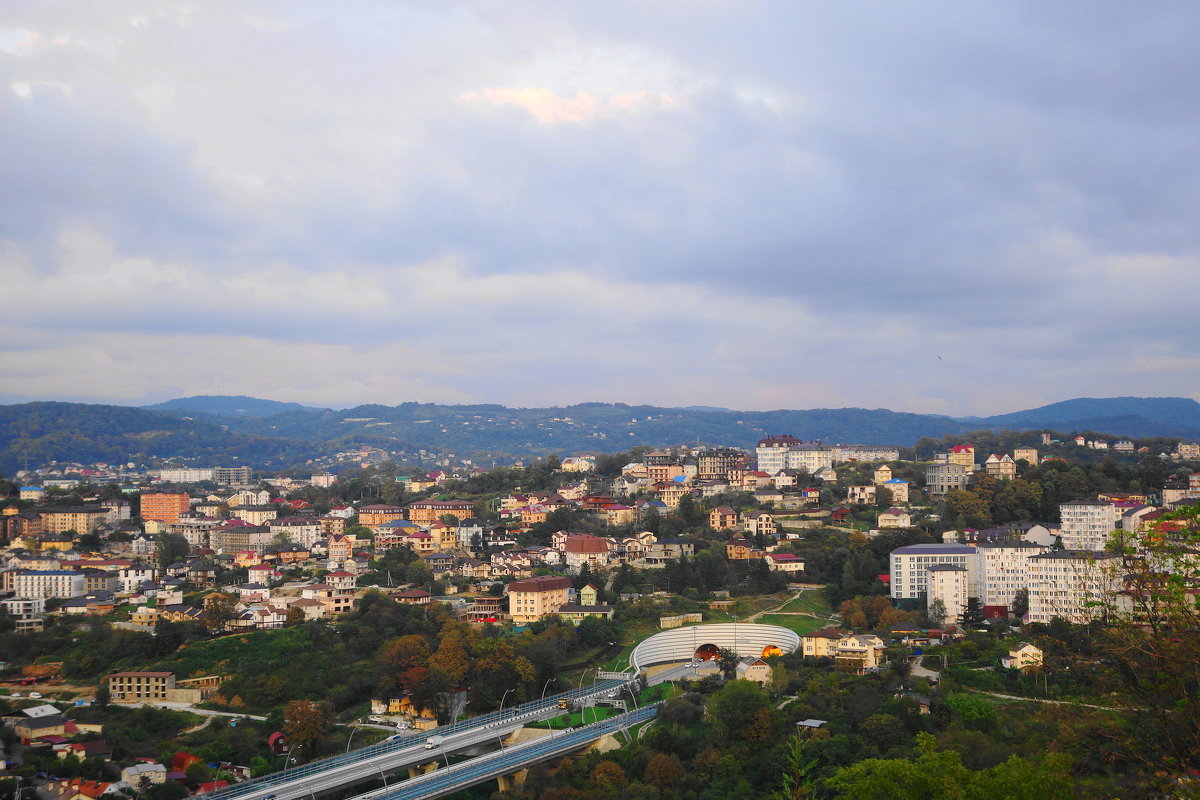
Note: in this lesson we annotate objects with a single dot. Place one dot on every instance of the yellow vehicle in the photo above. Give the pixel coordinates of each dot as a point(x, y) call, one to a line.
point(563, 704)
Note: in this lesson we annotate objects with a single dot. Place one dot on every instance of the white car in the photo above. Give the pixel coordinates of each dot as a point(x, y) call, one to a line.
point(36, 695)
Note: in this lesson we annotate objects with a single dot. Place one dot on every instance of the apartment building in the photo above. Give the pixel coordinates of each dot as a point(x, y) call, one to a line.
point(715, 463)
point(427, 512)
point(49, 583)
point(1076, 585)
point(165, 506)
point(910, 568)
point(1005, 572)
point(940, 478)
point(1088, 524)
point(136, 687)
point(75, 519)
point(948, 585)
point(531, 599)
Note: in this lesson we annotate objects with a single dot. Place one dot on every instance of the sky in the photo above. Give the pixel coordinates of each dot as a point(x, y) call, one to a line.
point(960, 207)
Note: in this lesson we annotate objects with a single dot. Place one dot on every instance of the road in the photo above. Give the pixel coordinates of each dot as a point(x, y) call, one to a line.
point(507, 761)
point(389, 756)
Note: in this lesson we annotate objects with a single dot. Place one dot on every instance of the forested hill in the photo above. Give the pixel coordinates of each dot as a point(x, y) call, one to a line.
point(37, 433)
point(87, 433)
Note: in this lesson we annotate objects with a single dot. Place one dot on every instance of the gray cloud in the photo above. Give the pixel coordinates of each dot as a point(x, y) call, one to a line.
point(549, 202)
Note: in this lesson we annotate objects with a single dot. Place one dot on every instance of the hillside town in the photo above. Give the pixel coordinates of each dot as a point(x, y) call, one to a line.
point(903, 555)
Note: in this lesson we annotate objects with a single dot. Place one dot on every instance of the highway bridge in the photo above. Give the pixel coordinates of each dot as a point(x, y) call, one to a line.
point(491, 766)
point(384, 758)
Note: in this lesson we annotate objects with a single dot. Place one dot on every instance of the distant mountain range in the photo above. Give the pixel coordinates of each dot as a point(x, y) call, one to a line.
point(222, 430)
point(227, 406)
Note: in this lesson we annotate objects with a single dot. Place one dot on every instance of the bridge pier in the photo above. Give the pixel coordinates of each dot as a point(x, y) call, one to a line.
point(513, 780)
point(421, 769)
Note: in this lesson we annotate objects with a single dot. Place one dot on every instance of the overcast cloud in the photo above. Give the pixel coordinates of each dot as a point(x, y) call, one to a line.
point(958, 207)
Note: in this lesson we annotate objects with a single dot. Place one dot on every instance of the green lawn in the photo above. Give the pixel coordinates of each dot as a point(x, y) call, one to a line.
point(576, 718)
point(812, 602)
point(798, 624)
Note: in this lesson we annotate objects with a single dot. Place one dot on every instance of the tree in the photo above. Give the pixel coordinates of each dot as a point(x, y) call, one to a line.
point(1152, 639)
point(305, 724)
point(664, 771)
point(940, 775)
point(295, 616)
point(219, 610)
point(732, 711)
point(937, 612)
point(1020, 606)
point(171, 547)
point(972, 616)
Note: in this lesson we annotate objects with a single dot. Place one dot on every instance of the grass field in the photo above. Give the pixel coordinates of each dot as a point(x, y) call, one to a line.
point(798, 624)
point(812, 602)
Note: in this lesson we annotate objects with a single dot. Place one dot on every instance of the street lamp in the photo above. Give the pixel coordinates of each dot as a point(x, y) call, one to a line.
point(632, 696)
point(544, 688)
point(500, 737)
point(353, 730)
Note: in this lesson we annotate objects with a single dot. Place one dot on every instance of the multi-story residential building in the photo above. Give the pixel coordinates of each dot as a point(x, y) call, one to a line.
point(531, 599)
point(1005, 572)
point(237, 536)
point(28, 613)
point(1029, 454)
point(375, 515)
point(165, 506)
point(910, 568)
point(715, 463)
point(49, 583)
point(947, 584)
point(722, 518)
point(585, 549)
point(881, 475)
point(963, 455)
point(195, 529)
point(77, 519)
point(898, 488)
point(1076, 585)
point(232, 476)
point(1001, 467)
point(304, 531)
point(185, 474)
point(116, 510)
point(1188, 449)
point(864, 452)
point(34, 493)
point(940, 478)
point(860, 495)
point(257, 515)
point(759, 522)
point(772, 452)
point(427, 512)
point(1088, 524)
point(821, 643)
point(138, 687)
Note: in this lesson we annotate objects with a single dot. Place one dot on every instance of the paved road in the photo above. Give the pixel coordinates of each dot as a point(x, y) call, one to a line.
point(392, 755)
point(504, 762)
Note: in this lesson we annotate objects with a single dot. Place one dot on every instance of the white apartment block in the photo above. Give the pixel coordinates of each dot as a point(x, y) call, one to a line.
point(132, 578)
point(910, 568)
point(1088, 524)
point(1073, 584)
point(949, 584)
point(1005, 570)
point(185, 475)
point(865, 452)
point(50, 583)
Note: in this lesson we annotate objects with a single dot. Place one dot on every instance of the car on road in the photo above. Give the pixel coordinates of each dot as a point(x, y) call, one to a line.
point(36, 695)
